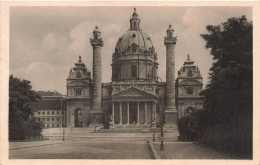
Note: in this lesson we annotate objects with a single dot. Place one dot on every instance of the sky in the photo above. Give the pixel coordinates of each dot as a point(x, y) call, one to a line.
point(45, 42)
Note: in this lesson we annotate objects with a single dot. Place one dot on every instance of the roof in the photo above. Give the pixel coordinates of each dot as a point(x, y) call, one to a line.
point(53, 104)
point(170, 28)
point(49, 93)
point(134, 37)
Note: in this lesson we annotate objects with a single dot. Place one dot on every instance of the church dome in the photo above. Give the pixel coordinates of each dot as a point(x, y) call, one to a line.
point(134, 41)
point(135, 57)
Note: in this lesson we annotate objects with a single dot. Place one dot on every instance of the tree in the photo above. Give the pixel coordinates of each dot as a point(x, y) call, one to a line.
point(229, 92)
point(187, 128)
point(22, 105)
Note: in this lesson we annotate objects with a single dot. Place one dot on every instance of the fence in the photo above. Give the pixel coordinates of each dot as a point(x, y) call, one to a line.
point(34, 138)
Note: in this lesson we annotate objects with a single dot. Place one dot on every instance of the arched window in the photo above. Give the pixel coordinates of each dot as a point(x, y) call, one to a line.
point(152, 73)
point(189, 90)
point(78, 118)
point(96, 36)
point(118, 72)
point(170, 34)
point(78, 92)
point(78, 75)
point(133, 71)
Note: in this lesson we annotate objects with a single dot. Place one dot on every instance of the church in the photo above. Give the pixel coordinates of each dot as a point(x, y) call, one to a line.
point(136, 94)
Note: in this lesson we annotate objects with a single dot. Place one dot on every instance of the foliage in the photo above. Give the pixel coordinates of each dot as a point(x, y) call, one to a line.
point(187, 127)
point(229, 92)
point(19, 128)
point(106, 121)
point(22, 104)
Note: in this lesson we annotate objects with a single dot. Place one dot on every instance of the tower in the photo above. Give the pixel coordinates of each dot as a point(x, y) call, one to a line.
point(170, 110)
point(96, 112)
point(188, 87)
point(78, 101)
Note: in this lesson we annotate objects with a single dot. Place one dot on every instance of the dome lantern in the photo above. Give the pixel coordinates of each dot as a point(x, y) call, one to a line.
point(135, 21)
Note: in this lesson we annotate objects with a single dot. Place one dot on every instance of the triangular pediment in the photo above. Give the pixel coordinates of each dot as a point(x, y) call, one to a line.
point(133, 92)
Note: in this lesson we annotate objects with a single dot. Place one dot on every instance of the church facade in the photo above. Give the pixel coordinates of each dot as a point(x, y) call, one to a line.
point(135, 95)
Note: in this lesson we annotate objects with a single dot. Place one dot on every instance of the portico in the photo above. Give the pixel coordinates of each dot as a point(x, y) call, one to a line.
point(134, 106)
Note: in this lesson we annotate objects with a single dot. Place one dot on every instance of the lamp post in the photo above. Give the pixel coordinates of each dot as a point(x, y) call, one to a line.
point(161, 145)
point(153, 125)
point(162, 124)
point(153, 135)
point(63, 133)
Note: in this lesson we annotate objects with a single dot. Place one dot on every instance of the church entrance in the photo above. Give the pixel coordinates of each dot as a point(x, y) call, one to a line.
point(132, 112)
point(78, 118)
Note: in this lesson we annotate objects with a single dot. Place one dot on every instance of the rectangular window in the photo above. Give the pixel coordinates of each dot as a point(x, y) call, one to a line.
point(43, 119)
point(57, 119)
point(134, 71)
point(58, 112)
point(78, 92)
point(157, 91)
point(39, 119)
point(53, 112)
point(39, 112)
point(48, 112)
point(43, 112)
point(189, 90)
point(48, 119)
point(52, 125)
point(52, 119)
point(58, 125)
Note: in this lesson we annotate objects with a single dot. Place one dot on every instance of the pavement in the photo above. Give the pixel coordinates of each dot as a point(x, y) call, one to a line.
point(187, 150)
point(29, 144)
point(72, 133)
point(84, 144)
point(88, 148)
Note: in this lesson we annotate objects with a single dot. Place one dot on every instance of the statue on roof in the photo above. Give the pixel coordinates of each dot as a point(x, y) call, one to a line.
point(80, 59)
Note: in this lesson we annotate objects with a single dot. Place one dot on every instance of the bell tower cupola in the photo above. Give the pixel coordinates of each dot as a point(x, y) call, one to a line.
point(135, 21)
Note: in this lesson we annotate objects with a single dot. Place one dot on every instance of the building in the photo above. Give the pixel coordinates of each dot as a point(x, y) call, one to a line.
point(188, 86)
point(51, 109)
point(135, 94)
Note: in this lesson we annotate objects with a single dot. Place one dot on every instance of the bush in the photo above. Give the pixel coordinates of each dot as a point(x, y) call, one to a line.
point(19, 128)
point(106, 121)
point(187, 128)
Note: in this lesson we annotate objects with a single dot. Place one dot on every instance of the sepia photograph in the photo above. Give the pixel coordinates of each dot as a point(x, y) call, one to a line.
point(130, 82)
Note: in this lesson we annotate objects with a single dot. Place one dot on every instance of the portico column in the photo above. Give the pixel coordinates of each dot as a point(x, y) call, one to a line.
point(120, 107)
point(137, 112)
point(127, 112)
point(145, 113)
point(113, 113)
point(154, 114)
